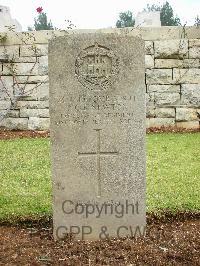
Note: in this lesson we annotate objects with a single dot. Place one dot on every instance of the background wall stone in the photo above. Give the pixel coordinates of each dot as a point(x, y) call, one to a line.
point(172, 76)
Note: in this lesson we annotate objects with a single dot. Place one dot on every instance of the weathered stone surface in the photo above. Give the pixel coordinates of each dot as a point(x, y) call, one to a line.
point(149, 50)
point(170, 63)
point(43, 65)
point(6, 88)
point(28, 50)
point(36, 123)
point(191, 63)
point(159, 76)
point(34, 50)
point(5, 105)
point(194, 52)
point(150, 111)
point(171, 49)
point(15, 123)
point(190, 94)
point(165, 112)
point(149, 61)
point(148, 34)
point(34, 112)
point(169, 99)
point(195, 42)
point(164, 88)
point(164, 33)
point(33, 91)
point(150, 99)
point(32, 104)
point(191, 75)
point(26, 59)
point(159, 122)
point(42, 49)
point(8, 53)
point(13, 113)
point(188, 125)
point(97, 131)
point(20, 69)
point(187, 114)
point(32, 79)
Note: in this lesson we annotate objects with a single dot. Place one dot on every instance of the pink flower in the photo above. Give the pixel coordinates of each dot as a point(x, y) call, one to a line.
point(39, 10)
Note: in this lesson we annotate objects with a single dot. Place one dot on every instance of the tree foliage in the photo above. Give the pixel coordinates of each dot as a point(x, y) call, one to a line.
point(125, 20)
point(197, 21)
point(42, 23)
point(167, 16)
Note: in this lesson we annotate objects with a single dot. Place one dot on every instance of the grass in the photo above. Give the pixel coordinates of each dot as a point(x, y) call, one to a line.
point(173, 175)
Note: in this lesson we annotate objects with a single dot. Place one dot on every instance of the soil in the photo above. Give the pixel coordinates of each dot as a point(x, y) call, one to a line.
point(12, 134)
point(170, 240)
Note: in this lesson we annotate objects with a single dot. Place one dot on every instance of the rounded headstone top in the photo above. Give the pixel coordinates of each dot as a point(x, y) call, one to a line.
point(148, 19)
point(7, 21)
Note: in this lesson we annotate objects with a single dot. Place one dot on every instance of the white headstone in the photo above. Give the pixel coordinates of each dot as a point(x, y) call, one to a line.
point(7, 21)
point(148, 19)
point(97, 107)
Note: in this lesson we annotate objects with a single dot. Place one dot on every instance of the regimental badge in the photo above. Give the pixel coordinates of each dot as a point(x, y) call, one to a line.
point(96, 67)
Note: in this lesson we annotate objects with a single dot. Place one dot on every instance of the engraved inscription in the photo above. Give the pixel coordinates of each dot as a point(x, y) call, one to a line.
point(98, 155)
point(96, 67)
point(97, 110)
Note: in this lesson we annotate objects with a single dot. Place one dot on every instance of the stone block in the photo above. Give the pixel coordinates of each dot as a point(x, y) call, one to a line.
point(190, 95)
point(6, 88)
point(177, 49)
point(149, 50)
point(177, 63)
point(28, 50)
point(32, 79)
point(32, 104)
point(165, 112)
point(36, 123)
point(33, 91)
point(43, 65)
point(191, 75)
point(164, 88)
point(14, 123)
point(42, 49)
point(34, 112)
point(194, 52)
point(26, 59)
point(20, 69)
point(5, 105)
point(187, 114)
point(149, 61)
point(9, 53)
point(188, 125)
point(167, 99)
point(159, 76)
point(13, 113)
point(150, 111)
point(194, 42)
point(160, 122)
point(150, 99)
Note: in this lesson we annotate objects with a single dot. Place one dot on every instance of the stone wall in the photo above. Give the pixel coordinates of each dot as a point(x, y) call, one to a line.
point(172, 76)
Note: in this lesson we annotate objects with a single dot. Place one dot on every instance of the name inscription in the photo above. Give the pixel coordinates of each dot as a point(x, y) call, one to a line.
point(97, 109)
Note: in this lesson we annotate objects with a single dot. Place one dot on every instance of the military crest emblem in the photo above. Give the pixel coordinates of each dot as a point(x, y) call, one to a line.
point(96, 67)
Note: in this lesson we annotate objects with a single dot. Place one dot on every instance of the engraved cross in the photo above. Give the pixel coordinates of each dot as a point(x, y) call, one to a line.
point(98, 155)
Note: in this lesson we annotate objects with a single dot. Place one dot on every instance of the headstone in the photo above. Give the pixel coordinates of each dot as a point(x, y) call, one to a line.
point(6, 21)
point(148, 19)
point(97, 110)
